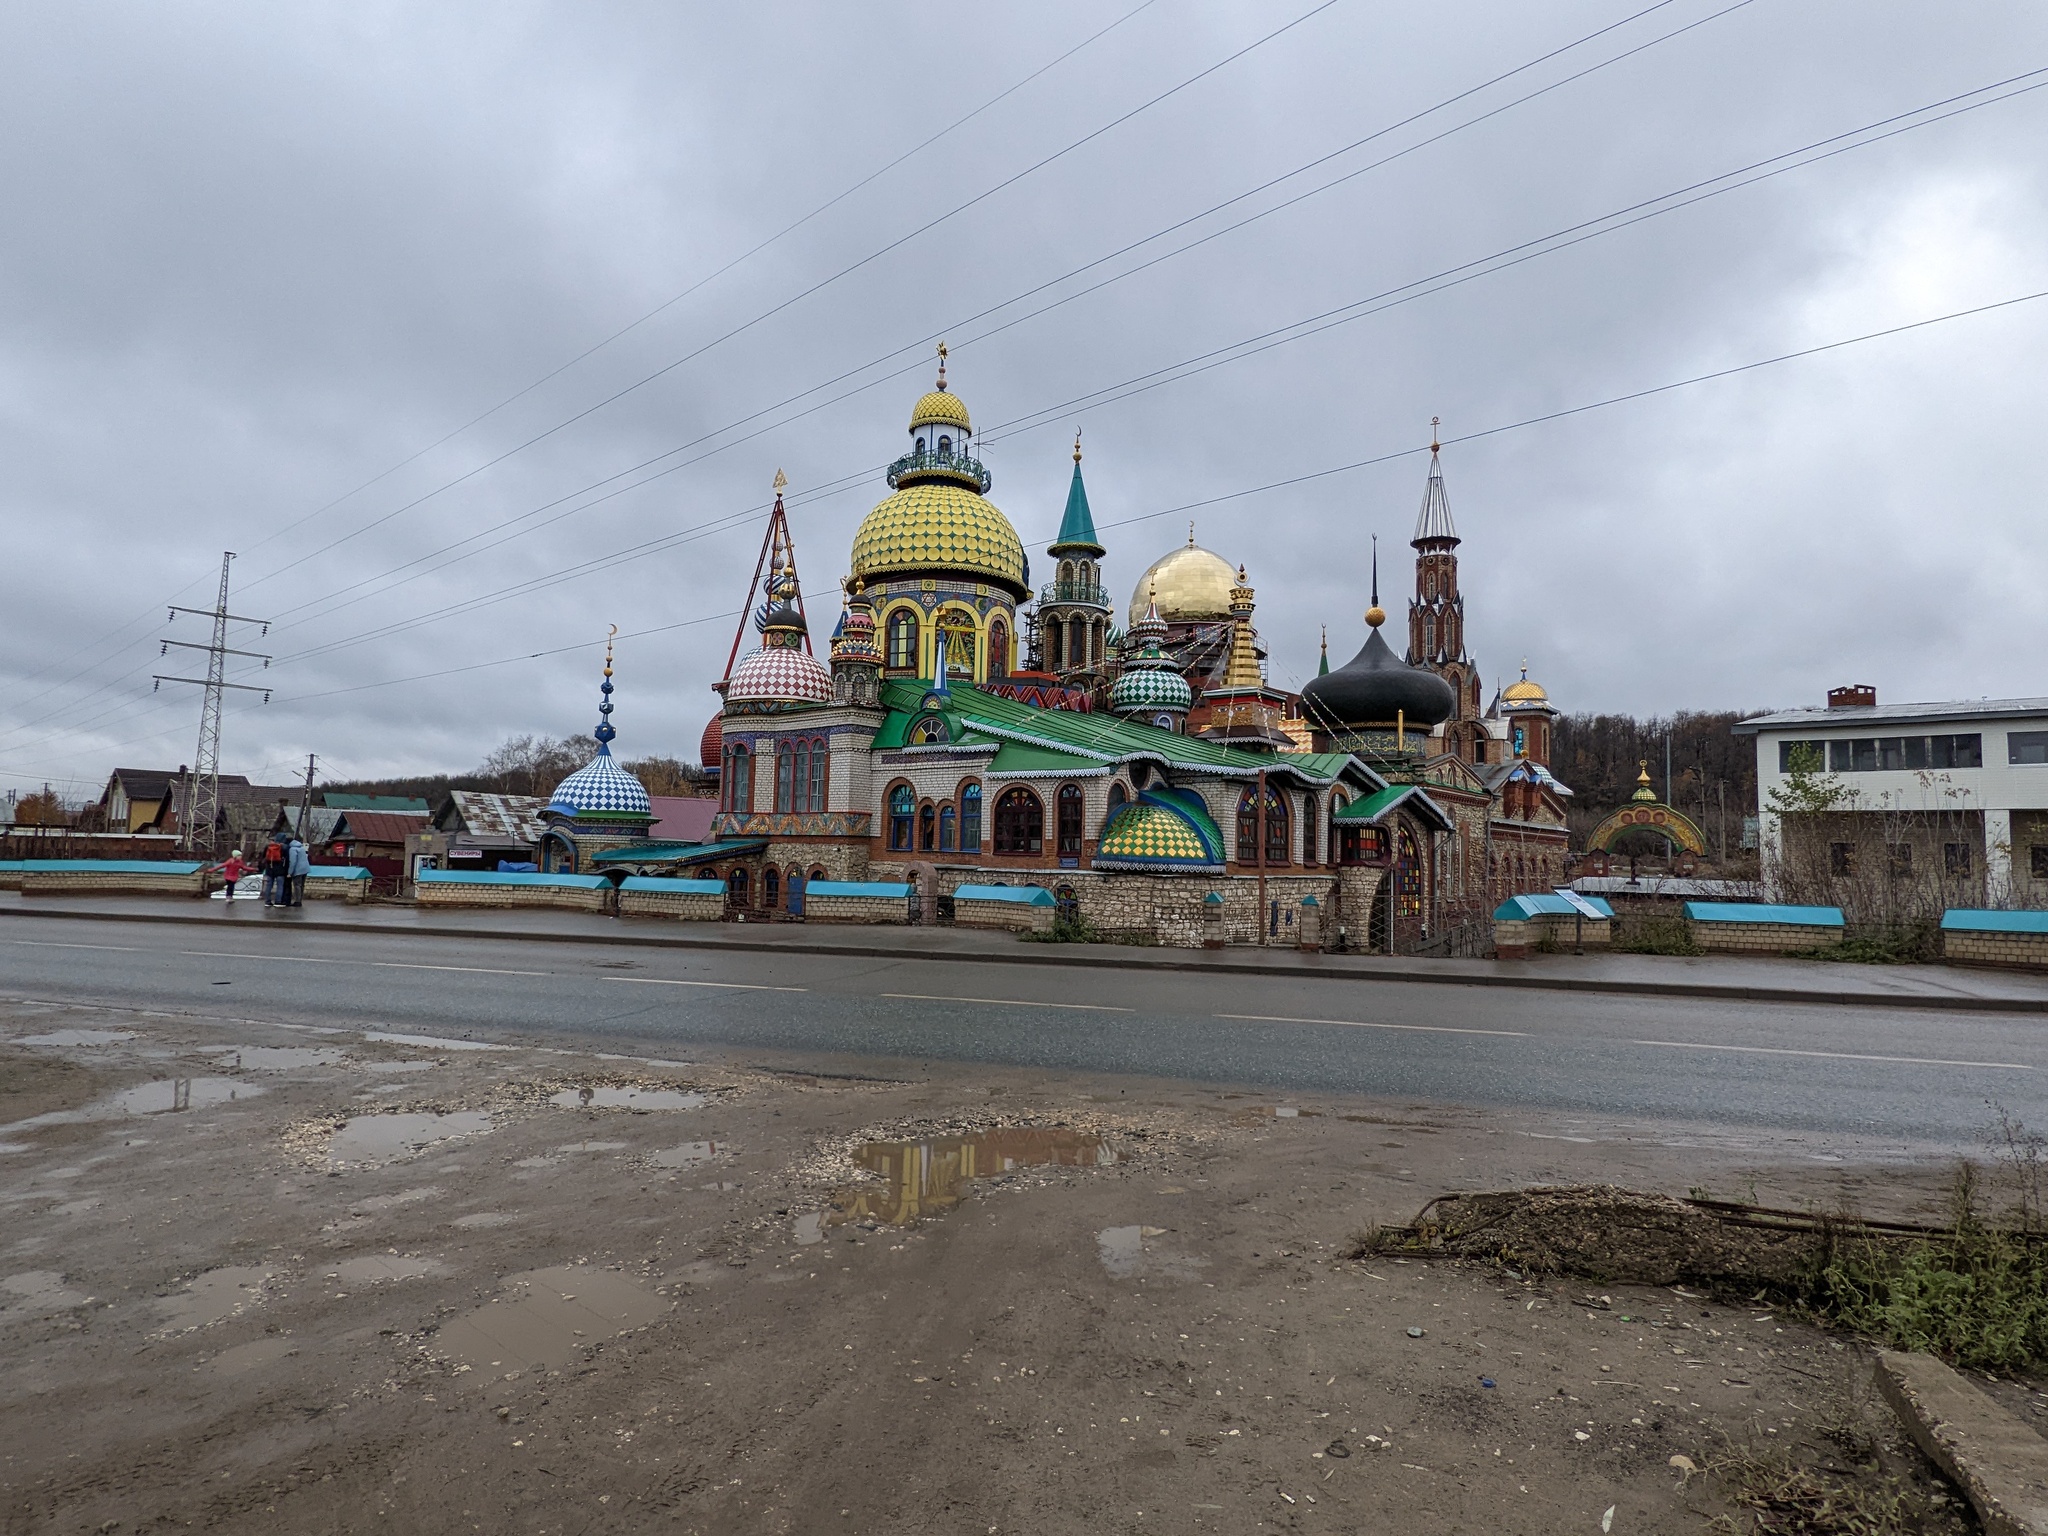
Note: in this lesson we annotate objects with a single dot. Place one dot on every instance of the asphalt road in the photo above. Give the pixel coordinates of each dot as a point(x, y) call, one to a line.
point(1861, 1078)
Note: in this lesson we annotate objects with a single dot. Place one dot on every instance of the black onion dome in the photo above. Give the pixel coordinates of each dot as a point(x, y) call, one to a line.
point(1373, 688)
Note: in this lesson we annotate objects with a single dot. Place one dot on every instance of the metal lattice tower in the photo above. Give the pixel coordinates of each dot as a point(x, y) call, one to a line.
point(199, 825)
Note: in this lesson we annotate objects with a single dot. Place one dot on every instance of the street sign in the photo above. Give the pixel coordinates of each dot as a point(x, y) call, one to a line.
point(1579, 903)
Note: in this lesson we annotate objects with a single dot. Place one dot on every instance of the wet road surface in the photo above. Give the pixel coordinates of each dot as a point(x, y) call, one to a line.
point(1920, 1079)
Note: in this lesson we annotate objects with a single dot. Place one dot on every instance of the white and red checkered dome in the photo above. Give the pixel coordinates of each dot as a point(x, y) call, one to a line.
point(779, 674)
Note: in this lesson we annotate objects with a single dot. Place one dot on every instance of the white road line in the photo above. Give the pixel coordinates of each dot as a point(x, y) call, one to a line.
point(467, 970)
point(243, 954)
point(1427, 1029)
point(118, 949)
point(1005, 1002)
point(724, 986)
point(1775, 1050)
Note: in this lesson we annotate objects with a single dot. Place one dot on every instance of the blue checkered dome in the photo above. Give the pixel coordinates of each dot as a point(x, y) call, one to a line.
point(598, 788)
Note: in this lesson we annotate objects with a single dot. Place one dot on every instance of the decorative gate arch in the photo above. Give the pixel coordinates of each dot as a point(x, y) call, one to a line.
point(1646, 813)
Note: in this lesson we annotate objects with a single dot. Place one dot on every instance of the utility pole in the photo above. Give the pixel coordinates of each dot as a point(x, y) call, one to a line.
point(306, 803)
point(202, 797)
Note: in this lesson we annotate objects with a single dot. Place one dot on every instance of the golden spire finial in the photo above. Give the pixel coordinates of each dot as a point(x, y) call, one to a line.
point(608, 650)
point(1525, 669)
point(942, 365)
point(1077, 445)
point(781, 481)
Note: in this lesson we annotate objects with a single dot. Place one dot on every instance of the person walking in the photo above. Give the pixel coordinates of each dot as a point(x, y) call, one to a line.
point(273, 874)
point(232, 871)
point(298, 865)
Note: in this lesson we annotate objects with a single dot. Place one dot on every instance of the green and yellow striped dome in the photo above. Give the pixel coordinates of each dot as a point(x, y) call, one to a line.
point(940, 408)
point(1148, 836)
point(941, 528)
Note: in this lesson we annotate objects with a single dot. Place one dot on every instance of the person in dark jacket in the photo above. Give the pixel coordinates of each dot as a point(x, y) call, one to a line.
point(298, 864)
point(274, 865)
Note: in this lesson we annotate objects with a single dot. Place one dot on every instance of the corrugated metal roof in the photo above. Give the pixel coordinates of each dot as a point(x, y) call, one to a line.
point(378, 826)
point(1890, 714)
point(500, 818)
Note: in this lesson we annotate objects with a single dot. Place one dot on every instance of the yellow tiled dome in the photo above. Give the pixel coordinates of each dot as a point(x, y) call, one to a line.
point(1522, 691)
point(934, 526)
point(940, 407)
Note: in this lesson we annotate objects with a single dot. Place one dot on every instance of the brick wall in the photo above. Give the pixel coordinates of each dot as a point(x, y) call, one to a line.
point(1761, 938)
point(1017, 916)
point(2024, 950)
point(1517, 938)
point(353, 891)
point(678, 906)
point(856, 909)
point(573, 898)
point(51, 882)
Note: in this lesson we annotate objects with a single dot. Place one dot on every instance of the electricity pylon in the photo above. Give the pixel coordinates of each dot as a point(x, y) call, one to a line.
point(199, 825)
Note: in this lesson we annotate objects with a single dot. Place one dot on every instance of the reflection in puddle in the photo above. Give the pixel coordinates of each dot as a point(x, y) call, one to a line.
point(1131, 1251)
point(397, 1066)
point(277, 1058)
point(810, 1227)
point(38, 1292)
point(626, 1098)
point(557, 1313)
point(385, 1138)
point(217, 1294)
point(78, 1037)
point(246, 1357)
point(179, 1093)
point(682, 1157)
point(924, 1177)
point(373, 1267)
point(433, 1042)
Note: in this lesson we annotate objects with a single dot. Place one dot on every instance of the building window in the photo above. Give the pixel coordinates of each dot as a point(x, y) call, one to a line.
point(927, 828)
point(1308, 829)
point(1070, 821)
point(998, 649)
point(945, 447)
point(1955, 860)
point(817, 801)
point(1897, 754)
point(902, 808)
point(970, 819)
point(948, 829)
point(958, 628)
point(902, 637)
point(1842, 860)
point(783, 754)
point(1020, 822)
point(1899, 859)
point(2037, 859)
point(2026, 747)
point(1119, 797)
point(1802, 756)
point(928, 732)
point(740, 778)
point(1248, 827)
point(771, 888)
point(736, 887)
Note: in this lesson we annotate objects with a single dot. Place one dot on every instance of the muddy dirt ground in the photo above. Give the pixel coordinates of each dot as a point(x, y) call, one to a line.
point(258, 1278)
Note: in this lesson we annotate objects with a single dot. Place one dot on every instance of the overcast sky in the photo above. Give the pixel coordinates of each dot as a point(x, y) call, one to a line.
point(262, 267)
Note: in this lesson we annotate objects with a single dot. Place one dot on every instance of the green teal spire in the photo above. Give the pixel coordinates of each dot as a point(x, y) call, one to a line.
point(1323, 666)
point(1077, 528)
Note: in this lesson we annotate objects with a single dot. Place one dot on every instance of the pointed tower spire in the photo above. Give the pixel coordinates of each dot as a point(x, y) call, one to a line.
point(1077, 527)
point(1375, 615)
point(1433, 524)
point(1323, 666)
point(604, 733)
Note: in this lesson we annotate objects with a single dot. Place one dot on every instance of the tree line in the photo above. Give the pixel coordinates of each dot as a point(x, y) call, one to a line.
point(1713, 771)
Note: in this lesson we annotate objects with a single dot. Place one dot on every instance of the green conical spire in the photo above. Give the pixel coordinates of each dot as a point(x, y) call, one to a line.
point(1077, 528)
point(1323, 666)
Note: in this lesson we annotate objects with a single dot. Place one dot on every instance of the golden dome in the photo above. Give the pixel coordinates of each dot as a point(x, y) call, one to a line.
point(940, 408)
point(1524, 691)
point(1191, 585)
point(939, 527)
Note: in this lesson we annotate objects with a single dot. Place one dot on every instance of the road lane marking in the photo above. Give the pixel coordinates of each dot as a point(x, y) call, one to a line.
point(724, 986)
point(243, 954)
point(1427, 1029)
point(1776, 1050)
point(467, 970)
point(119, 949)
point(1004, 1002)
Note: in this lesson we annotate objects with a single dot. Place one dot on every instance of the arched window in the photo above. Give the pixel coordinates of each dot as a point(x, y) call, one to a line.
point(958, 629)
point(736, 886)
point(1308, 829)
point(927, 828)
point(1119, 797)
point(817, 801)
point(1055, 653)
point(945, 447)
point(1248, 827)
point(1408, 874)
point(920, 445)
point(1066, 573)
point(1020, 822)
point(818, 874)
point(998, 649)
point(739, 778)
point(902, 809)
point(949, 829)
point(1071, 805)
point(1086, 572)
point(970, 818)
point(929, 731)
point(782, 761)
point(771, 888)
point(902, 653)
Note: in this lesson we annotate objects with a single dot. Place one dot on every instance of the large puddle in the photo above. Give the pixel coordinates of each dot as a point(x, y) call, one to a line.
point(626, 1098)
point(38, 1293)
point(552, 1314)
point(171, 1094)
point(277, 1058)
point(387, 1138)
point(923, 1178)
point(76, 1037)
point(212, 1297)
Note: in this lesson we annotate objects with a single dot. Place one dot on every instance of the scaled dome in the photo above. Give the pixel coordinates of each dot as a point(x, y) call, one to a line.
point(937, 526)
point(1191, 585)
point(1375, 688)
point(599, 788)
point(711, 745)
point(940, 408)
point(779, 674)
point(1149, 689)
point(1522, 691)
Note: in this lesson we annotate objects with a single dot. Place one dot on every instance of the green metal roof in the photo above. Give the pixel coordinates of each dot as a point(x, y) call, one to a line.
point(679, 853)
point(1022, 757)
point(1077, 528)
point(1374, 807)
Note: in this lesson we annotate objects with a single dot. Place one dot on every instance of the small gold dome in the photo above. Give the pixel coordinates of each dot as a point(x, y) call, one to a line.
point(1375, 616)
point(940, 408)
point(1192, 586)
point(935, 526)
point(1523, 691)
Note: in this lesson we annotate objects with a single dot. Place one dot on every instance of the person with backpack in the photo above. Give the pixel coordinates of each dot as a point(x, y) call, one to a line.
point(232, 871)
point(274, 874)
point(297, 866)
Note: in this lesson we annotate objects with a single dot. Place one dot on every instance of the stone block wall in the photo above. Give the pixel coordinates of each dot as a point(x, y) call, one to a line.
point(677, 906)
point(1762, 938)
point(355, 890)
point(1518, 938)
point(574, 898)
point(1017, 916)
point(856, 909)
point(2027, 951)
point(91, 882)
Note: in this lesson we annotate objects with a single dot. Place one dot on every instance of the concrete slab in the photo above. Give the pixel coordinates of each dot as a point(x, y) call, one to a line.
point(1998, 1462)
